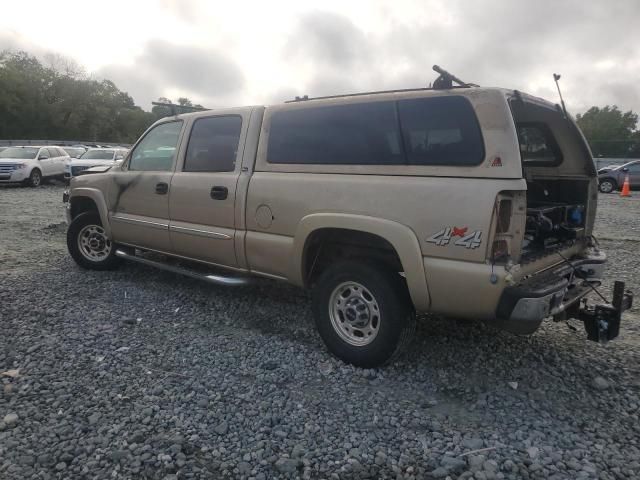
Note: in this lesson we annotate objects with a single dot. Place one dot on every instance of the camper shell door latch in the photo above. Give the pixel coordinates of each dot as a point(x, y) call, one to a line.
point(602, 321)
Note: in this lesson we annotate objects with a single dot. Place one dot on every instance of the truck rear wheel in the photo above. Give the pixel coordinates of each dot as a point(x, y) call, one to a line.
point(363, 313)
point(89, 244)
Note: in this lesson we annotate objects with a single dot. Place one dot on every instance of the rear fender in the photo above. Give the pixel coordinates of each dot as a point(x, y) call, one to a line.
point(401, 237)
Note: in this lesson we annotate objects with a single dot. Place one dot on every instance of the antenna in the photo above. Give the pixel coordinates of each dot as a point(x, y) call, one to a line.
point(556, 77)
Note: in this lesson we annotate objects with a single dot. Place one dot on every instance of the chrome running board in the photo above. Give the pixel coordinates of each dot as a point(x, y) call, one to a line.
point(207, 277)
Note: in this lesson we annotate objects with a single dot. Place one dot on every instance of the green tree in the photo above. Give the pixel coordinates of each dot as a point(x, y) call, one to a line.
point(609, 131)
point(59, 102)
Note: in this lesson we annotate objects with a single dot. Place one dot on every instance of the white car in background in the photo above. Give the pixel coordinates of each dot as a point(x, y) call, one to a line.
point(74, 152)
point(31, 165)
point(94, 157)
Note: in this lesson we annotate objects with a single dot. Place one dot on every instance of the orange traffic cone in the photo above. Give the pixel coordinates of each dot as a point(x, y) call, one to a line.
point(626, 190)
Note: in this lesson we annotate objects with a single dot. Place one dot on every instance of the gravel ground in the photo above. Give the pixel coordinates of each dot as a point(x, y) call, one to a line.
point(139, 373)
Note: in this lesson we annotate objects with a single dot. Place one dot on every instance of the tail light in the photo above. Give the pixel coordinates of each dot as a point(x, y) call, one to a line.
point(504, 216)
point(501, 248)
point(499, 251)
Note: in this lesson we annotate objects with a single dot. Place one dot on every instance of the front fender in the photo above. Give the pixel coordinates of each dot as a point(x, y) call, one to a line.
point(401, 237)
point(98, 198)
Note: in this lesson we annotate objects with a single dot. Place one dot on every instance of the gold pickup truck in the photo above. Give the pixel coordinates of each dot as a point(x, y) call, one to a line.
point(469, 202)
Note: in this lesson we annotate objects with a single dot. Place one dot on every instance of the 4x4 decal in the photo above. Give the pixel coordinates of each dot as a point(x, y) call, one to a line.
point(467, 240)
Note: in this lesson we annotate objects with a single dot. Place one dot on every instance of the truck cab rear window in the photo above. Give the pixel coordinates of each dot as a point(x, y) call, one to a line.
point(538, 146)
point(354, 134)
point(422, 131)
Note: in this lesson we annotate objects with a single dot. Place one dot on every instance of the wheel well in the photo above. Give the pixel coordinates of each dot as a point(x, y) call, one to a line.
point(326, 245)
point(82, 204)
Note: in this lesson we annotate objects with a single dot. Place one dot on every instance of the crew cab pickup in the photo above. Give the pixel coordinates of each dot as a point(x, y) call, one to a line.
point(469, 202)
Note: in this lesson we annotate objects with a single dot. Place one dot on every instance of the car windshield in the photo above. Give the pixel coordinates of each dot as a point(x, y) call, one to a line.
point(19, 152)
point(97, 155)
point(626, 165)
point(74, 152)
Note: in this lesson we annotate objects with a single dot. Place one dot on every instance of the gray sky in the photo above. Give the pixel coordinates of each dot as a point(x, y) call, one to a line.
point(222, 53)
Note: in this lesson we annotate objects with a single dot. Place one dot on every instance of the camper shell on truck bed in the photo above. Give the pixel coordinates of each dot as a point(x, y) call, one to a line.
point(469, 202)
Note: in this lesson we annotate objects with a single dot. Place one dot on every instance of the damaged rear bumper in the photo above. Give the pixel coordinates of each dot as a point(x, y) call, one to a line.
point(556, 292)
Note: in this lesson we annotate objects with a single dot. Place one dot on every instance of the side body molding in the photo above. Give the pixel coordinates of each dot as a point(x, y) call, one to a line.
point(98, 198)
point(401, 237)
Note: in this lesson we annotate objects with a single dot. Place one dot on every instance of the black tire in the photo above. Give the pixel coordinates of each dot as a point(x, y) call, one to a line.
point(89, 226)
point(35, 178)
point(395, 323)
point(607, 185)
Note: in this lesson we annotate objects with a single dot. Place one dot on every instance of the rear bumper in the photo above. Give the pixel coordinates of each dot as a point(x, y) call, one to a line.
point(524, 306)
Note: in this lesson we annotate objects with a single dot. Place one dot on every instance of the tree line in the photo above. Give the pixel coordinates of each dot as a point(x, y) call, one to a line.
point(57, 100)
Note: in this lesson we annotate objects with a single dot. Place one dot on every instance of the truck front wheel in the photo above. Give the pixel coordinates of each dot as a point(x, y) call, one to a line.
point(89, 244)
point(363, 313)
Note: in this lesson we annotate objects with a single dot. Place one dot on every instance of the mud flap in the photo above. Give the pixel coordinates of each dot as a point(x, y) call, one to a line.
point(602, 321)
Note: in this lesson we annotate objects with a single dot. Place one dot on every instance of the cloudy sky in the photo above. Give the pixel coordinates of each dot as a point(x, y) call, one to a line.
point(224, 53)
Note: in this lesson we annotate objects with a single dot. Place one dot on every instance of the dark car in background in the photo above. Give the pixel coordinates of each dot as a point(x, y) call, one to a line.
point(611, 179)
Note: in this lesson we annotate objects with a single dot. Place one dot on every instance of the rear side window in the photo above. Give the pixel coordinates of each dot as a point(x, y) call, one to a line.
point(440, 131)
point(422, 131)
point(213, 144)
point(538, 146)
point(353, 134)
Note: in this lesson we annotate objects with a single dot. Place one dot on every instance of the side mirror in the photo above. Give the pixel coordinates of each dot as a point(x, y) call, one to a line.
point(119, 157)
point(42, 157)
point(625, 169)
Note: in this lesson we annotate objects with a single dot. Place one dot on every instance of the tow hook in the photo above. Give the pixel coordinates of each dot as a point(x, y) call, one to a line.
point(602, 321)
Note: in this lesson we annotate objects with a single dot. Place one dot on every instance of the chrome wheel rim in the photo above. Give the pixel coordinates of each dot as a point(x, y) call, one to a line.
point(606, 187)
point(35, 179)
point(93, 243)
point(354, 313)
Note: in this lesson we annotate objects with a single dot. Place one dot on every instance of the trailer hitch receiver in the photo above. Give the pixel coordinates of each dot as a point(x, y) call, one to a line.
point(602, 321)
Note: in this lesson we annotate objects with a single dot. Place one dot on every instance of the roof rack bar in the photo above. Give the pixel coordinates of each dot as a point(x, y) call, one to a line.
point(446, 80)
point(305, 97)
point(175, 106)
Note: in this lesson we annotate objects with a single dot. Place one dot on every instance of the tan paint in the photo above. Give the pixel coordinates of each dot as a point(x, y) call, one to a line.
point(133, 195)
point(98, 198)
point(265, 226)
point(401, 237)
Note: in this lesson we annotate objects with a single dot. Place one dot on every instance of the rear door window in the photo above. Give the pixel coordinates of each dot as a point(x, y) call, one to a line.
point(351, 134)
point(538, 146)
point(213, 144)
point(440, 131)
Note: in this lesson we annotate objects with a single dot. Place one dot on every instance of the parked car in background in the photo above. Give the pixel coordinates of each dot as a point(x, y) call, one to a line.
point(94, 157)
point(75, 152)
point(31, 165)
point(612, 179)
